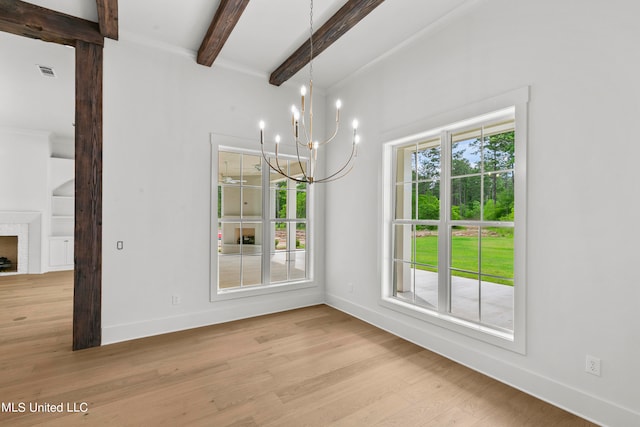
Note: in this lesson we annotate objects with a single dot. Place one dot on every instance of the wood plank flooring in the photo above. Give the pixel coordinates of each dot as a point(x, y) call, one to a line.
point(309, 367)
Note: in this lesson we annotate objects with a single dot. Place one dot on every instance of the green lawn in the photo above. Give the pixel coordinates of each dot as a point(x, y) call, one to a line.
point(497, 256)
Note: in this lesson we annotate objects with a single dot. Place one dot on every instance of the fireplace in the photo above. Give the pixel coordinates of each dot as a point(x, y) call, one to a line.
point(8, 254)
point(20, 235)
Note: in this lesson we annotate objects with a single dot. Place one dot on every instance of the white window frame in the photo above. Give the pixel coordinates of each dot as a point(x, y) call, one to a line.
point(516, 103)
point(238, 145)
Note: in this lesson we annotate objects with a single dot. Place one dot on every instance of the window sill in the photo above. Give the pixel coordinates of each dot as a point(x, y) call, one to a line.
point(483, 333)
point(247, 292)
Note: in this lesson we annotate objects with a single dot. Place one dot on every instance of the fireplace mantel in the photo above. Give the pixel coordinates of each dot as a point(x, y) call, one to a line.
point(13, 223)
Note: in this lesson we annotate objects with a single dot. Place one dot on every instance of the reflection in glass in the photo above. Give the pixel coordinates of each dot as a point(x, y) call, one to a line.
point(280, 236)
point(251, 270)
point(229, 271)
point(251, 202)
point(279, 268)
point(301, 204)
point(298, 267)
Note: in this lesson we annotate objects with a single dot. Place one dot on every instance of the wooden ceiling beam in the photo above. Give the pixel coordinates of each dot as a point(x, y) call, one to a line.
point(344, 19)
point(225, 19)
point(108, 18)
point(29, 20)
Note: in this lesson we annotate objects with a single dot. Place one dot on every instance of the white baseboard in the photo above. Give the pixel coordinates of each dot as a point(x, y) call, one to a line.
point(564, 396)
point(129, 331)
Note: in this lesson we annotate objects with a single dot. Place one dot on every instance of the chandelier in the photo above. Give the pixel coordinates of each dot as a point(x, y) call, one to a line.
point(302, 131)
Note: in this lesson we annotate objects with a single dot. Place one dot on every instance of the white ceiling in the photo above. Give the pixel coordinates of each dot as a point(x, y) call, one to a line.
point(267, 33)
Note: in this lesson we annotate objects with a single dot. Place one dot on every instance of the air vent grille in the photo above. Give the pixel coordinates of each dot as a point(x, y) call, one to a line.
point(46, 71)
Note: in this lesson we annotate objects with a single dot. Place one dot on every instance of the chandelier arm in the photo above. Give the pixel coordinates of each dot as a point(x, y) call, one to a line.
point(281, 172)
point(274, 168)
point(346, 164)
point(331, 179)
point(335, 133)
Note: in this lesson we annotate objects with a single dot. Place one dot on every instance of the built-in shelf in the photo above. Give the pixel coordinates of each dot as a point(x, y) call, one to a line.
point(62, 174)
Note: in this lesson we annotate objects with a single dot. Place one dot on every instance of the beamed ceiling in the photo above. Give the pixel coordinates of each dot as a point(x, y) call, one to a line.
point(262, 37)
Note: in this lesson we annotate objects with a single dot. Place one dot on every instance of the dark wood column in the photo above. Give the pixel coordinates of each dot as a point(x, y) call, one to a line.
point(87, 319)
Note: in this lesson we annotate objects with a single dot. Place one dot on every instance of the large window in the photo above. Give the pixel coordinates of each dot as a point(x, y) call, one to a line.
point(454, 226)
point(262, 224)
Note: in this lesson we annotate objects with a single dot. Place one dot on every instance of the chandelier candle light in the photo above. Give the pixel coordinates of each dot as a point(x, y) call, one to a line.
point(306, 141)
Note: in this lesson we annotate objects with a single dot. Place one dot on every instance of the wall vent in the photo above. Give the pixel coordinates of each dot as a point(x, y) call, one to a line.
point(46, 71)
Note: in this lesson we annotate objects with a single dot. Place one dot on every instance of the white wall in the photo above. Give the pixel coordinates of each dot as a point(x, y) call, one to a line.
point(159, 110)
point(582, 63)
point(24, 168)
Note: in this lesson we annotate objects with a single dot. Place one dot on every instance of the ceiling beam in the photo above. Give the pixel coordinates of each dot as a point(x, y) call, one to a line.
point(26, 19)
point(343, 20)
point(225, 19)
point(108, 18)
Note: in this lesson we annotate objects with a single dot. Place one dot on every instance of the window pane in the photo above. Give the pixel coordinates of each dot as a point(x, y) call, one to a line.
point(280, 236)
point(465, 198)
point(301, 235)
point(298, 267)
point(301, 204)
point(429, 200)
point(230, 201)
point(498, 196)
point(403, 280)
point(229, 271)
point(464, 249)
point(428, 161)
point(279, 268)
point(403, 242)
point(426, 288)
point(497, 304)
point(279, 201)
point(250, 238)
point(465, 292)
point(229, 168)
point(251, 202)
point(405, 206)
point(251, 170)
point(405, 164)
point(498, 151)
point(426, 247)
point(465, 157)
point(251, 270)
point(230, 238)
point(497, 253)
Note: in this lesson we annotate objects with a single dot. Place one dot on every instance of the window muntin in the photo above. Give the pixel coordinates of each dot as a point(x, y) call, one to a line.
point(472, 232)
point(262, 223)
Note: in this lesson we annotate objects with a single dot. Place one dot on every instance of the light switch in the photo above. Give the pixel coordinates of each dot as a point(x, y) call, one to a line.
point(119, 245)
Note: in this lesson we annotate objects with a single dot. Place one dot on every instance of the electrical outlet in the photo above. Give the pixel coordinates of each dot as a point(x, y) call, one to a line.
point(592, 365)
point(176, 300)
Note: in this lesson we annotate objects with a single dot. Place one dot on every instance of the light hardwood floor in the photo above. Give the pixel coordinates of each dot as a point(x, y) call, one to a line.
point(309, 367)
